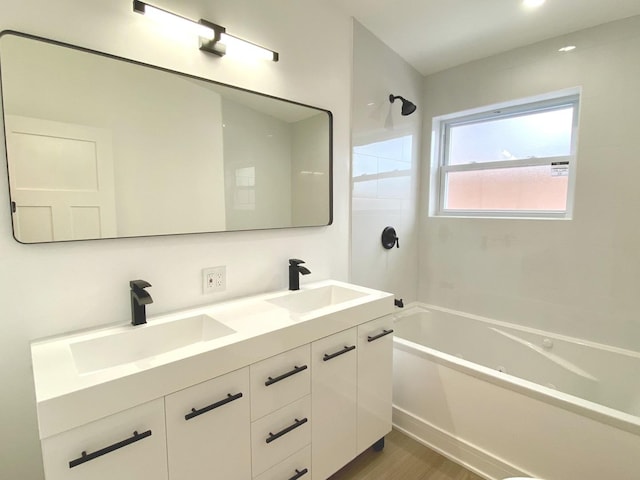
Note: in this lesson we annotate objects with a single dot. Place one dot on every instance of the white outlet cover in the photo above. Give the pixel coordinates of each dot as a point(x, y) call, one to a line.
point(214, 279)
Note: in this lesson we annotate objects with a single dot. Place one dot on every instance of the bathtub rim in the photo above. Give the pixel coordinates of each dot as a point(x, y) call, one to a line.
point(410, 308)
point(595, 411)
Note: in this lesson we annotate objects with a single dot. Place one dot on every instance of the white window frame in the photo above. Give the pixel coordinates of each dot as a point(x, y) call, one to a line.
point(440, 150)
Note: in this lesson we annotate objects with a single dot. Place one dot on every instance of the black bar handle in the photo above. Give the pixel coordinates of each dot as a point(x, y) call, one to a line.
point(380, 335)
point(293, 426)
point(337, 354)
point(295, 370)
point(230, 398)
point(299, 473)
point(86, 457)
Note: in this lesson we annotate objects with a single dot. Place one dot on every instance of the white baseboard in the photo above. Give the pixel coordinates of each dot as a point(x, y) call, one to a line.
point(463, 453)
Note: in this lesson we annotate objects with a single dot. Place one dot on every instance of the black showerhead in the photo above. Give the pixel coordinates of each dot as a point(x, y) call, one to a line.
point(407, 107)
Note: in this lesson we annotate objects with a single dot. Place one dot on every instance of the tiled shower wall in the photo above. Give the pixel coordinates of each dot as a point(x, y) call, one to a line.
point(385, 161)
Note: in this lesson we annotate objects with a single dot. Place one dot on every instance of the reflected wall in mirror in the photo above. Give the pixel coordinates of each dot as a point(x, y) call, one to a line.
point(102, 147)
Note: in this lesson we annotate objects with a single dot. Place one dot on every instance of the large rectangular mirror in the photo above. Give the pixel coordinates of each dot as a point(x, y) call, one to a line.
point(103, 147)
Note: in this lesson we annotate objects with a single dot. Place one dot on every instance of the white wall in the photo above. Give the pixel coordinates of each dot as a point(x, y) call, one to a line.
point(386, 148)
point(50, 289)
point(579, 277)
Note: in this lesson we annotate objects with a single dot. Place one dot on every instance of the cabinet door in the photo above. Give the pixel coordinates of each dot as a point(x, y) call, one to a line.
point(128, 445)
point(333, 389)
point(208, 429)
point(375, 358)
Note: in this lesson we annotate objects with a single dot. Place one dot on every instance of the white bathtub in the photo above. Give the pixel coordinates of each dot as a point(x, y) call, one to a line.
point(506, 400)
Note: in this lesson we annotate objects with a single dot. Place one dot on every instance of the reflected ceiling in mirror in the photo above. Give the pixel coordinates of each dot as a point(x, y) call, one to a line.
point(103, 147)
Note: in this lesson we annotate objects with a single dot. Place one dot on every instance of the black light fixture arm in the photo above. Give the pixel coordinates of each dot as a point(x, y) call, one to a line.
point(213, 45)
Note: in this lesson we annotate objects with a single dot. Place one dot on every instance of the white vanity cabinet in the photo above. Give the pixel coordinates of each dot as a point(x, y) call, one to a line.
point(375, 358)
point(128, 445)
point(301, 414)
point(208, 429)
point(334, 391)
point(297, 390)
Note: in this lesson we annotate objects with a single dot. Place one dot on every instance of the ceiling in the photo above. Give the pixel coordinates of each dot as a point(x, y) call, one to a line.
point(434, 35)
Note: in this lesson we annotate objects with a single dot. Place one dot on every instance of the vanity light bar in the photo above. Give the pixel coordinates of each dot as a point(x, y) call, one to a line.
point(213, 38)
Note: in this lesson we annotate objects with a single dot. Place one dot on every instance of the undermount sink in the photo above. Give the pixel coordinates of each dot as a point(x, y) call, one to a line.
point(303, 301)
point(138, 343)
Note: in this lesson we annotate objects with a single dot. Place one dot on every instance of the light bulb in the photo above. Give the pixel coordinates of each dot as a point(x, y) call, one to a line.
point(532, 3)
point(178, 23)
point(241, 48)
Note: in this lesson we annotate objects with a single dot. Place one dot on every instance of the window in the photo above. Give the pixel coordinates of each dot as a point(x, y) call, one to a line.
point(244, 194)
point(508, 161)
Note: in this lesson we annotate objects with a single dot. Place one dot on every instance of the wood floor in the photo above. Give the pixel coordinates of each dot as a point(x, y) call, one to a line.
point(403, 459)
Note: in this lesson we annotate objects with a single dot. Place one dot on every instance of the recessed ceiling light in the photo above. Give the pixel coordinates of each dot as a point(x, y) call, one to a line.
point(568, 48)
point(532, 3)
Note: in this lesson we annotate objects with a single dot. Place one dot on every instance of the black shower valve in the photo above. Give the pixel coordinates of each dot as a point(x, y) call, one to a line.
point(390, 238)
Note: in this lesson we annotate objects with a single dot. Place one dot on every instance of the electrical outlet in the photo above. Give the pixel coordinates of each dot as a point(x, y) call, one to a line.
point(214, 279)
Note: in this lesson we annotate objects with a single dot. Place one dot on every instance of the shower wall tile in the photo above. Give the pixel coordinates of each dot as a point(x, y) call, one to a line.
point(385, 167)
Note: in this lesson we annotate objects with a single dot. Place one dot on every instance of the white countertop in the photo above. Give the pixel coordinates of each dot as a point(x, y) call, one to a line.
point(67, 398)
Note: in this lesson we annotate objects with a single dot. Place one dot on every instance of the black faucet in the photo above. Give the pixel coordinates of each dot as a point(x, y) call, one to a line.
point(139, 298)
point(294, 270)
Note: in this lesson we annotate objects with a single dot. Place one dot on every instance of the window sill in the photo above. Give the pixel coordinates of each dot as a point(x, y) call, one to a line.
point(503, 216)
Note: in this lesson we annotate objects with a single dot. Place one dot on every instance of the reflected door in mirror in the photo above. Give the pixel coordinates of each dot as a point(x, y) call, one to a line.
point(61, 180)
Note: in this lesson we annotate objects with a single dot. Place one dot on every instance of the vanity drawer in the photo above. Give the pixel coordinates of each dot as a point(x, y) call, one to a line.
point(280, 380)
point(129, 445)
point(280, 434)
point(208, 429)
point(297, 466)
